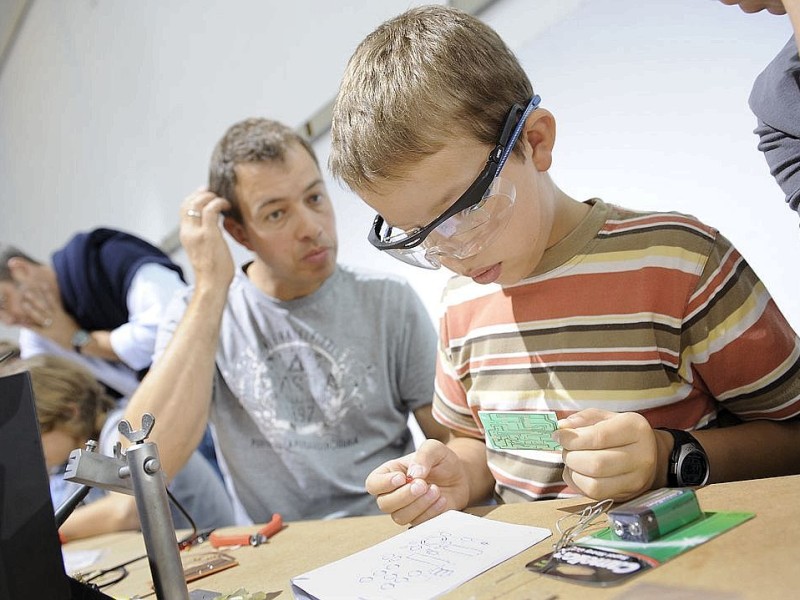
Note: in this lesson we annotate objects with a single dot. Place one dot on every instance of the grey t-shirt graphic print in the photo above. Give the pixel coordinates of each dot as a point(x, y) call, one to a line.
point(312, 394)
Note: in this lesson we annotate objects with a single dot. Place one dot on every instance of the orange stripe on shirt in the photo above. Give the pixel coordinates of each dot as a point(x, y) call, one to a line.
point(623, 294)
point(740, 372)
point(634, 356)
point(660, 219)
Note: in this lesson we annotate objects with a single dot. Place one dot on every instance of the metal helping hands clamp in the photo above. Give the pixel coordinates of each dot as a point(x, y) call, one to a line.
point(137, 472)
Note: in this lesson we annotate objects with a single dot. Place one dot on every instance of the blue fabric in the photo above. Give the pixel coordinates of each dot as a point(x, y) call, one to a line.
point(95, 270)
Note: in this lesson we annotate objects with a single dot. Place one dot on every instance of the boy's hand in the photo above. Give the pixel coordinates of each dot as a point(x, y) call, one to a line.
point(607, 454)
point(420, 485)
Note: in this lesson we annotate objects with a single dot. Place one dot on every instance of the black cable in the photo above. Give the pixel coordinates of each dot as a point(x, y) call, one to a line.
point(122, 571)
point(66, 508)
point(186, 540)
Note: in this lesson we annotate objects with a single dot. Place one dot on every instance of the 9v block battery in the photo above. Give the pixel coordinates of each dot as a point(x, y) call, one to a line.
point(654, 514)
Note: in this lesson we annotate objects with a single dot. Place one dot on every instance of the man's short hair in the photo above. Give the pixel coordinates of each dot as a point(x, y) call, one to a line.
point(249, 141)
point(7, 252)
point(428, 76)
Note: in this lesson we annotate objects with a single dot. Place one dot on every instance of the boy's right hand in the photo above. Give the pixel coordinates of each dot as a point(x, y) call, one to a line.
point(420, 485)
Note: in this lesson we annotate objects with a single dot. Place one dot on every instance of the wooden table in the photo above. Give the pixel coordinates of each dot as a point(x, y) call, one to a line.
point(758, 559)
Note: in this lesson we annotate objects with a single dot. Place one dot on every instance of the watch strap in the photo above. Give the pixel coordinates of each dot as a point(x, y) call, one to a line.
point(681, 439)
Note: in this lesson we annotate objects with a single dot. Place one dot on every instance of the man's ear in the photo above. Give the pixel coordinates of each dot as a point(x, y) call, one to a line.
point(540, 133)
point(237, 231)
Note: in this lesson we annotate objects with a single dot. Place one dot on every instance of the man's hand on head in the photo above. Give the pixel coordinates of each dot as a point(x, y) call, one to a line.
point(202, 238)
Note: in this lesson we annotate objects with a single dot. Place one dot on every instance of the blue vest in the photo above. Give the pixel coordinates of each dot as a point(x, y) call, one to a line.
point(94, 272)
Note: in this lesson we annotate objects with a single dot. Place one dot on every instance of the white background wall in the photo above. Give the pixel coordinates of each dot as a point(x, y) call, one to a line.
point(109, 110)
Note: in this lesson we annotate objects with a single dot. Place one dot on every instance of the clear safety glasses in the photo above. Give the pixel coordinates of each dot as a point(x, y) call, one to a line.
point(473, 221)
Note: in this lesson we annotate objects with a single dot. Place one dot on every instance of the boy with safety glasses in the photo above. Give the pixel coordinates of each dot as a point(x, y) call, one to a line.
point(622, 322)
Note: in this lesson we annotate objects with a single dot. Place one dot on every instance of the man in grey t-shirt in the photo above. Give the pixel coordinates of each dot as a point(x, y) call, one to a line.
point(307, 370)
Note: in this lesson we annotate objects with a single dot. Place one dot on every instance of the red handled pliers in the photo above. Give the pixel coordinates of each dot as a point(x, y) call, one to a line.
point(254, 539)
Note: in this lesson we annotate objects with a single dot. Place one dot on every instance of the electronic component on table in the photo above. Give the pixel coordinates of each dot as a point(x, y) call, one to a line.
point(654, 514)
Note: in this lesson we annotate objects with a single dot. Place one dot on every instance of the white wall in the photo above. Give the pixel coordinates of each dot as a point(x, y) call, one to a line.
point(109, 111)
point(650, 100)
point(652, 108)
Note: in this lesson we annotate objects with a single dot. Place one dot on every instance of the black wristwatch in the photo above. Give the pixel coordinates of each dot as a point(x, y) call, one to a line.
point(688, 462)
point(79, 339)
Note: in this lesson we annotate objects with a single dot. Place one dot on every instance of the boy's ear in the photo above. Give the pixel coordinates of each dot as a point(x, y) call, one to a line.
point(71, 414)
point(540, 133)
point(237, 231)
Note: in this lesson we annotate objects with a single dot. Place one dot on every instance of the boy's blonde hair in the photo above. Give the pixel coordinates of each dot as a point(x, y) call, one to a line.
point(68, 397)
point(428, 76)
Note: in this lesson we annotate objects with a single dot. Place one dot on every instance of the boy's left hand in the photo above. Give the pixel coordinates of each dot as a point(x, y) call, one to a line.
point(608, 454)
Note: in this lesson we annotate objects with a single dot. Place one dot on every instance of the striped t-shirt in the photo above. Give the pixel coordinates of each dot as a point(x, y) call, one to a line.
point(649, 312)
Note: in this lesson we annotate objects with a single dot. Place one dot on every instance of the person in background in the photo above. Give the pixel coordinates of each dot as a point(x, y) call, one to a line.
point(775, 101)
point(99, 304)
point(73, 407)
point(639, 329)
point(307, 369)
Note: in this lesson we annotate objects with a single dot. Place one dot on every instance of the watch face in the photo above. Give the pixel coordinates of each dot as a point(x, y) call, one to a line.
point(80, 338)
point(693, 469)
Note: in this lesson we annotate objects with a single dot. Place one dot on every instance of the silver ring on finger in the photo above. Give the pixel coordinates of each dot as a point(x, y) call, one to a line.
point(194, 214)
